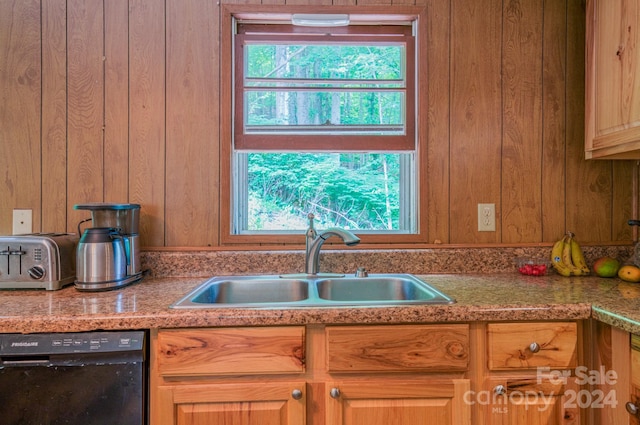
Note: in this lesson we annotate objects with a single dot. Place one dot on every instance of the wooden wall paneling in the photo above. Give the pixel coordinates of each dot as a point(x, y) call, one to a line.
point(20, 76)
point(522, 121)
point(554, 85)
point(422, 126)
point(475, 153)
point(589, 183)
point(116, 100)
point(243, 2)
point(85, 103)
point(147, 117)
point(403, 2)
point(54, 116)
point(436, 176)
point(317, 2)
point(192, 207)
point(622, 204)
point(274, 2)
point(54, 85)
point(226, 127)
point(358, 2)
point(335, 2)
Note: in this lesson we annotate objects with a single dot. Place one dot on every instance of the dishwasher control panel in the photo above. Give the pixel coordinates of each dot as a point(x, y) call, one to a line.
point(65, 343)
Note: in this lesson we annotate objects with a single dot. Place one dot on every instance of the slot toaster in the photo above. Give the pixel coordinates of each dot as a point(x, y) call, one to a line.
point(38, 261)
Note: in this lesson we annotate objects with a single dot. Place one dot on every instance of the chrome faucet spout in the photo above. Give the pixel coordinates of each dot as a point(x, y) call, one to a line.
point(316, 240)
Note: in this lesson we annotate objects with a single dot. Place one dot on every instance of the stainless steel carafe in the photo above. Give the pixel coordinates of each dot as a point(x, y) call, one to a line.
point(101, 257)
point(122, 221)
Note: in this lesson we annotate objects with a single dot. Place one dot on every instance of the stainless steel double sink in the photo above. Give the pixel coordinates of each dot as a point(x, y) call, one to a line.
point(322, 290)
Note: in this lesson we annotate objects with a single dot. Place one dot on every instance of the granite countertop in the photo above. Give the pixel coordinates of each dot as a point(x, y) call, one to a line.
point(480, 297)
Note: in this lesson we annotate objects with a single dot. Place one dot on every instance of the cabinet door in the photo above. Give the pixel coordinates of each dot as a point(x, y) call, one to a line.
point(612, 86)
point(529, 401)
point(237, 404)
point(387, 402)
point(634, 418)
point(633, 405)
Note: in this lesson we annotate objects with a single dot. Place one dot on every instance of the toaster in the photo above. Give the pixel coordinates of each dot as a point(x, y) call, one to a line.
point(38, 261)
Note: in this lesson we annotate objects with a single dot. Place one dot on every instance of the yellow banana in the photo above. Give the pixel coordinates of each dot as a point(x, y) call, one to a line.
point(556, 258)
point(566, 251)
point(577, 256)
point(567, 255)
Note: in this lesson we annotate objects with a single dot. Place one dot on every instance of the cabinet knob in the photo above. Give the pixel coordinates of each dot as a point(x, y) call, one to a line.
point(296, 394)
point(334, 393)
point(500, 390)
point(534, 347)
point(632, 408)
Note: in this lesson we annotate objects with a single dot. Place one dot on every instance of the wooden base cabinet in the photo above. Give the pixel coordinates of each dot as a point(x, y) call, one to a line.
point(531, 401)
point(239, 376)
point(529, 374)
point(315, 375)
point(399, 403)
point(408, 374)
point(633, 405)
point(612, 352)
point(247, 404)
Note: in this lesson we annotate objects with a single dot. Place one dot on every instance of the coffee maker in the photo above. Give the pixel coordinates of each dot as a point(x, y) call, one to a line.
point(108, 254)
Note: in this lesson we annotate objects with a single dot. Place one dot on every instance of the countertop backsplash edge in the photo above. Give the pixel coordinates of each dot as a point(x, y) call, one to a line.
point(415, 261)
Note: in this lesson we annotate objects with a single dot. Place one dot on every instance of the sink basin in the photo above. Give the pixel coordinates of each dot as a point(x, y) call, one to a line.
point(376, 289)
point(252, 291)
point(311, 291)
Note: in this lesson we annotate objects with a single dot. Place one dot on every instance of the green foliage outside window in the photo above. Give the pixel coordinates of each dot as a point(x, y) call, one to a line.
point(354, 191)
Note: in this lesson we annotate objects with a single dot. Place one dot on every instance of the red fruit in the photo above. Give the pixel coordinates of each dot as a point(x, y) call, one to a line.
point(533, 269)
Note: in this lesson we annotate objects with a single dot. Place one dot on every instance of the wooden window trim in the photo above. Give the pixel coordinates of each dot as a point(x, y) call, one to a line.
point(370, 13)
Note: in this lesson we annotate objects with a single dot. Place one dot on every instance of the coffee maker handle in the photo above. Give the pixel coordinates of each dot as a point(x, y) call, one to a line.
point(82, 221)
point(115, 234)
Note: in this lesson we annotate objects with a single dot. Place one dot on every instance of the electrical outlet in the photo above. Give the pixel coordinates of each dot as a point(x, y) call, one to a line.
point(486, 217)
point(22, 222)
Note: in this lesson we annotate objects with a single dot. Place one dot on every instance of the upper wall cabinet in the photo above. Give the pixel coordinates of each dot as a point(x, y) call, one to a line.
point(612, 80)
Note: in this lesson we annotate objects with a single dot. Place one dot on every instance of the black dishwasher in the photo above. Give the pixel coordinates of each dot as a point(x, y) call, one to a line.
point(73, 378)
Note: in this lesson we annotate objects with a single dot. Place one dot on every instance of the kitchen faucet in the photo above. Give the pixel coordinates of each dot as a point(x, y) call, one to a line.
point(315, 240)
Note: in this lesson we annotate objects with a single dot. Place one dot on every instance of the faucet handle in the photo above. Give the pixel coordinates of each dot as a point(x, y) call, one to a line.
point(311, 233)
point(362, 272)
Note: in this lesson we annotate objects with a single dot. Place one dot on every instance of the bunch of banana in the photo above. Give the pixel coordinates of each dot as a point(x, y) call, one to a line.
point(567, 257)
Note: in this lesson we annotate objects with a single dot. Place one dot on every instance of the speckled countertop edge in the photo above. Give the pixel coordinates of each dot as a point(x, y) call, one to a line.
point(480, 297)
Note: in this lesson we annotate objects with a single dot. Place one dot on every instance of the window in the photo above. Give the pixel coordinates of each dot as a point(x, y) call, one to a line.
point(323, 121)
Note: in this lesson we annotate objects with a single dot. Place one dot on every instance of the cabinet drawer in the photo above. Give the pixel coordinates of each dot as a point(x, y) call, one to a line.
point(532, 345)
point(397, 348)
point(635, 361)
point(230, 351)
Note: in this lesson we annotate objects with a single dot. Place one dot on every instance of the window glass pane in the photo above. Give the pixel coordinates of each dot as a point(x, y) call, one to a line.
point(326, 89)
point(344, 62)
point(324, 112)
point(358, 191)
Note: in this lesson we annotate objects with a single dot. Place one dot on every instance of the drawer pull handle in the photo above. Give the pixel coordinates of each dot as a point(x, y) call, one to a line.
point(534, 347)
point(631, 408)
point(296, 394)
point(334, 393)
point(500, 390)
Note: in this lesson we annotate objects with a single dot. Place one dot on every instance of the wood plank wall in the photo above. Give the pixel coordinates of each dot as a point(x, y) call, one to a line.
point(117, 101)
